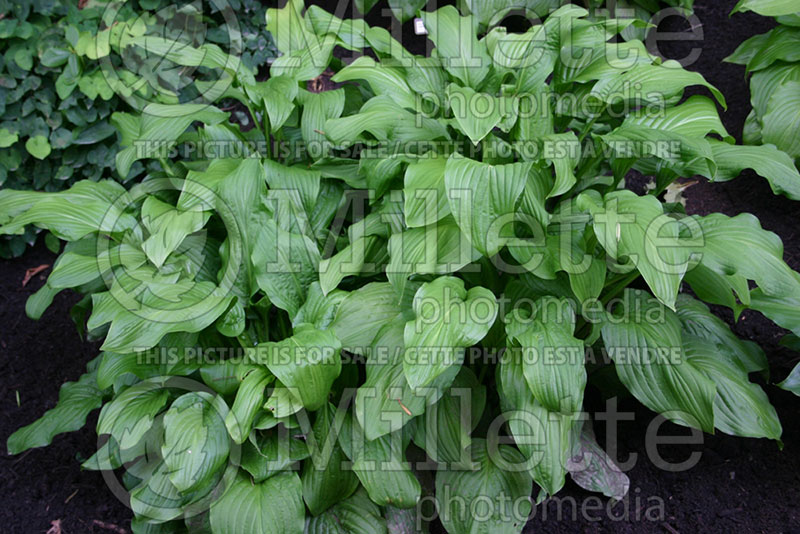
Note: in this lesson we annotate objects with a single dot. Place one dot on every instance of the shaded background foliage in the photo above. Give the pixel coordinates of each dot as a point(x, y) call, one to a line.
point(56, 99)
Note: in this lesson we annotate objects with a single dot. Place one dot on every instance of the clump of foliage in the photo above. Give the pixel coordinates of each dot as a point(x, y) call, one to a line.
point(773, 65)
point(370, 277)
point(58, 88)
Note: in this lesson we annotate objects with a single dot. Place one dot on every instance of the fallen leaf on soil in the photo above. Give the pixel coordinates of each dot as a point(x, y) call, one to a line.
point(33, 271)
point(55, 527)
point(674, 192)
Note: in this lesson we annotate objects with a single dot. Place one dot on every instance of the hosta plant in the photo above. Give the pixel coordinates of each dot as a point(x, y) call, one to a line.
point(773, 65)
point(399, 289)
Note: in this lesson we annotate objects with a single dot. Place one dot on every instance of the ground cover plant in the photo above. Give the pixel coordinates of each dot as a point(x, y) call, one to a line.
point(58, 86)
point(433, 256)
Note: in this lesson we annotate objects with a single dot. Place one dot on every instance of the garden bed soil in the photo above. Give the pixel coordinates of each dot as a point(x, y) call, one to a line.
point(743, 485)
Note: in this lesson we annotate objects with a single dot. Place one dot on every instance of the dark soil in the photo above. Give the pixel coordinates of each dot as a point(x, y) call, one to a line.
point(742, 485)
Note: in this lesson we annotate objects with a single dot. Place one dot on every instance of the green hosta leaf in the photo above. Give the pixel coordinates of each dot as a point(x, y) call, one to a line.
point(384, 80)
point(740, 407)
point(482, 199)
point(607, 59)
point(272, 453)
point(545, 438)
point(697, 320)
point(646, 345)
point(385, 402)
point(552, 356)
point(306, 63)
point(381, 467)
point(282, 403)
point(765, 85)
point(448, 319)
point(171, 307)
point(426, 77)
point(444, 431)
point(656, 151)
point(249, 399)
point(496, 479)
point(114, 366)
point(232, 322)
point(38, 147)
point(155, 498)
point(783, 310)
point(646, 81)
point(714, 288)
point(768, 8)
point(738, 245)
point(129, 416)
point(207, 55)
point(293, 194)
point(221, 376)
point(319, 309)
point(307, 363)
point(317, 109)
point(792, 382)
point(38, 303)
point(354, 326)
point(476, 113)
point(288, 28)
point(748, 48)
point(286, 264)
point(79, 264)
point(697, 117)
point(75, 401)
point(274, 506)
point(637, 228)
point(85, 208)
point(424, 192)
point(782, 120)
point(278, 94)
point(405, 10)
point(240, 201)
point(168, 228)
point(352, 32)
point(349, 261)
point(434, 249)
point(356, 515)
point(195, 439)
point(158, 129)
point(563, 153)
point(521, 51)
point(781, 45)
point(462, 54)
point(384, 120)
point(326, 480)
point(767, 161)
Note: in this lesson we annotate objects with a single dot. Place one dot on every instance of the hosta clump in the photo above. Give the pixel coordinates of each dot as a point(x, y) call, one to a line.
point(774, 70)
point(408, 267)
